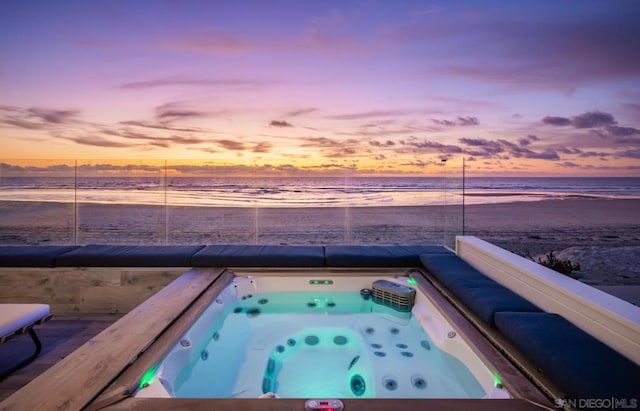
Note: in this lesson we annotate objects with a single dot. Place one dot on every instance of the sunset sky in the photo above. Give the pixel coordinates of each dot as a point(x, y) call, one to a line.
point(384, 87)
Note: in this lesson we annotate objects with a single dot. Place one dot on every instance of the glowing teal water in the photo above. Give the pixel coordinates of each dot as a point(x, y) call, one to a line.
point(320, 344)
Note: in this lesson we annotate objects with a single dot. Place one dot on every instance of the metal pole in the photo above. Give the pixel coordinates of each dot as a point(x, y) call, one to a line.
point(75, 202)
point(166, 207)
point(444, 229)
point(463, 193)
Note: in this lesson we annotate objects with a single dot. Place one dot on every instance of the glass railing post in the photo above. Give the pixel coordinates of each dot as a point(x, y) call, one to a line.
point(75, 202)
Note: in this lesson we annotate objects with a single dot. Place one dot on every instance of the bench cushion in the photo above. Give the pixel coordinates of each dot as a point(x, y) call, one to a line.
point(482, 295)
point(13, 317)
point(96, 255)
point(578, 363)
point(259, 256)
point(379, 255)
point(31, 255)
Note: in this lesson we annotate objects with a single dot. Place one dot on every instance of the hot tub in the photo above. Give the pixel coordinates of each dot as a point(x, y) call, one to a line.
point(318, 335)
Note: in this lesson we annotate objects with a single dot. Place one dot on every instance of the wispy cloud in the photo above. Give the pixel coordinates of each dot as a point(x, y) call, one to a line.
point(193, 82)
point(20, 123)
point(280, 123)
point(525, 141)
point(460, 121)
point(333, 148)
point(163, 127)
point(53, 116)
point(387, 143)
point(622, 131)
point(604, 123)
point(300, 112)
point(158, 141)
point(593, 119)
point(36, 118)
point(629, 154)
point(97, 141)
point(174, 115)
point(502, 148)
point(262, 147)
point(231, 145)
point(431, 146)
point(373, 114)
point(326, 142)
point(556, 121)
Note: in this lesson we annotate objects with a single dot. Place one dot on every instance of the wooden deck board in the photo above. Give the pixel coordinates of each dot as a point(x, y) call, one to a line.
point(60, 337)
point(75, 381)
point(69, 290)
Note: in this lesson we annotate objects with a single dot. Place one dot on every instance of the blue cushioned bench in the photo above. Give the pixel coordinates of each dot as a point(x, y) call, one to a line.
point(379, 255)
point(578, 363)
point(482, 295)
point(31, 256)
point(104, 255)
point(259, 256)
point(96, 255)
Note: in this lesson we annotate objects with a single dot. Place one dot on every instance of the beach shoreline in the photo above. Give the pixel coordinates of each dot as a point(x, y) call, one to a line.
point(602, 235)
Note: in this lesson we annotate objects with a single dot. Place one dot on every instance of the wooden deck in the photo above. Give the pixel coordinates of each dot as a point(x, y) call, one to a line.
point(60, 336)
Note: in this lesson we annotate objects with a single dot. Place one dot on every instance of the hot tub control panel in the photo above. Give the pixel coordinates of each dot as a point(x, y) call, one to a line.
point(323, 405)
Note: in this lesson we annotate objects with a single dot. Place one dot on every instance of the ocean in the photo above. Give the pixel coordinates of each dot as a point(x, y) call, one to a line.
point(298, 192)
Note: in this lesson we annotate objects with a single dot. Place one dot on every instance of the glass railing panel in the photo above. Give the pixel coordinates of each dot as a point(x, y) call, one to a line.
point(453, 217)
point(397, 210)
point(299, 210)
point(121, 202)
point(181, 202)
point(210, 204)
point(37, 202)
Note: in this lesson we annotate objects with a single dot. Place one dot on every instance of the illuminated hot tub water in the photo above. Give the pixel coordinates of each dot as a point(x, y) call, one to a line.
point(318, 341)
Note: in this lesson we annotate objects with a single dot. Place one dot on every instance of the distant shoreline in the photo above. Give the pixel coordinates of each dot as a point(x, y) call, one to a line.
point(454, 198)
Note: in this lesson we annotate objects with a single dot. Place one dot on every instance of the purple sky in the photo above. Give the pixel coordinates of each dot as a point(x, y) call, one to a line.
point(384, 87)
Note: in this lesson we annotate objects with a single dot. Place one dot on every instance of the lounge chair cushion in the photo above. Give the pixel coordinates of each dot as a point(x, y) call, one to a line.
point(379, 255)
point(14, 317)
point(96, 255)
point(482, 295)
point(31, 255)
point(259, 256)
point(578, 363)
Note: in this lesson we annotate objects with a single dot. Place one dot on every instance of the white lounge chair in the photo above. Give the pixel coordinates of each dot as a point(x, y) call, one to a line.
point(17, 319)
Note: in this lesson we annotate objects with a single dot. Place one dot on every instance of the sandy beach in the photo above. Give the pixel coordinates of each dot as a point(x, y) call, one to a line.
point(602, 235)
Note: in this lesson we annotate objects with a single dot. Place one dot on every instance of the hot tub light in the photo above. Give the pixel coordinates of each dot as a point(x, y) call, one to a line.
point(147, 377)
point(497, 381)
point(320, 282)
point(412, 281)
